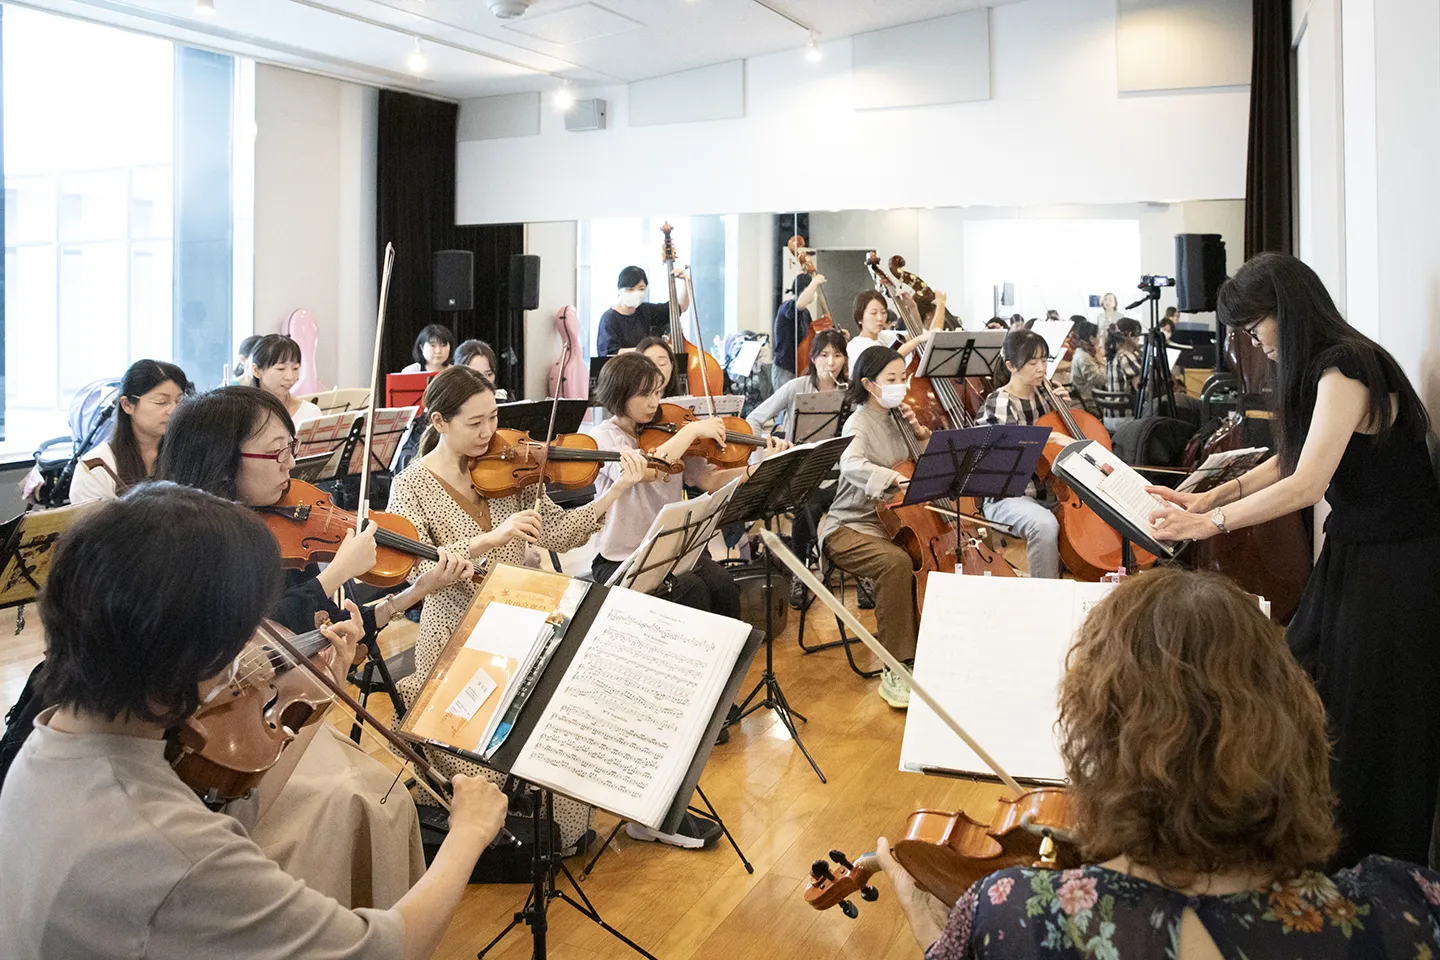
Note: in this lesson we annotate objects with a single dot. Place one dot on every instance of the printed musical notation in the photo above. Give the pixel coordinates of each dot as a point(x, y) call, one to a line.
point(624, 724)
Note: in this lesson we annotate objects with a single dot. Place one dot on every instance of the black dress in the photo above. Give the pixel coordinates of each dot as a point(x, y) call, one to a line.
point(1368, 632)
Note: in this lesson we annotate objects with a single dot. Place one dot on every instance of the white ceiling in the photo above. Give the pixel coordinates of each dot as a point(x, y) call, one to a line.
point(471, 53)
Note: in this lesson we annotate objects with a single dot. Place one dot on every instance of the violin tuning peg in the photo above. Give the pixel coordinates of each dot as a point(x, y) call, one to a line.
point(849, 909)
point(841, 859)
point(820, 870)
point(869, 894)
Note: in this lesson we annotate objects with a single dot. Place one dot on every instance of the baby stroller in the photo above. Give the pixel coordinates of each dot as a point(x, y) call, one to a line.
point(48, 482)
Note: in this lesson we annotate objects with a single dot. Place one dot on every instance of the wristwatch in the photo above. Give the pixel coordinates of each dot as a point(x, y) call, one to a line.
point(1217, 517)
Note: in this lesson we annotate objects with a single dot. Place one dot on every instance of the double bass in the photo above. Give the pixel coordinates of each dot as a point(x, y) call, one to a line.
point(823, 321)
point(703, 376)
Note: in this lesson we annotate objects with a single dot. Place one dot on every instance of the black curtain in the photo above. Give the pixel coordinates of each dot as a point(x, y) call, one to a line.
point(1269, 174)
point(415, 210)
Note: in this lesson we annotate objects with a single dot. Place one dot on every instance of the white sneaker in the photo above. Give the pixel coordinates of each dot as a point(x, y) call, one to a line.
point(894, 690)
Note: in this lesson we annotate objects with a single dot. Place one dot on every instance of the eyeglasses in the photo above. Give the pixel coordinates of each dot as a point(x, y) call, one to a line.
point(289, 451)
point(1250, 328)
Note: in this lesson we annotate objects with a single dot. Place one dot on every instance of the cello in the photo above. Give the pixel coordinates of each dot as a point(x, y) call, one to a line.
point(1089, 547)
point(945, 852)
point(703, 376)
point(824, 321)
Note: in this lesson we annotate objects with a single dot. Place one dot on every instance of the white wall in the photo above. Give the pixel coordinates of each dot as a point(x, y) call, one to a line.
point(315, 214)
point(555, 243)
point(1055, 131)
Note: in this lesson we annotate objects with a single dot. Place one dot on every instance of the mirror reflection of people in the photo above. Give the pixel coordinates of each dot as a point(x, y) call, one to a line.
point(149, 393)
point(108, 853)
point(633, 318)
point(792, 322)
point(431, 351)
point(1199, 776)
point(1122, 358)
point(872, 317)
point(1087, 369)
point(1109, 313)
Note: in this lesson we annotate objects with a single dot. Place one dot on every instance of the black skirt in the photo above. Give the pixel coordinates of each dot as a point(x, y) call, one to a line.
point(1368, 632)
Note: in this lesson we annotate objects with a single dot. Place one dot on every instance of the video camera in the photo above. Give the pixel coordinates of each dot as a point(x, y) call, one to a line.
point(1152, 281)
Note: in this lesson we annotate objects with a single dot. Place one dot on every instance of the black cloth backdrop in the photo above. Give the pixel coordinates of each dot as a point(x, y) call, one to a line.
point(1269, 174)
point(415, 210)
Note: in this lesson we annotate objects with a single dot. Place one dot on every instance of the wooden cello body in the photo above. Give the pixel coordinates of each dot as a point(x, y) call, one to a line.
point(703, 375)
point(1089, 547)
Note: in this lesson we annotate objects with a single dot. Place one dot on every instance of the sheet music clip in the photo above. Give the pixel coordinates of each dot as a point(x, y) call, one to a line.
point(815, 416)
point(953, 354)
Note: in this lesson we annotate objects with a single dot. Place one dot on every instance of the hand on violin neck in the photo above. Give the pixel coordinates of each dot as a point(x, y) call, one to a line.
point(344, 637)
point(450, 568)
point(924, 911)
point(354, 556)
point(774, 445)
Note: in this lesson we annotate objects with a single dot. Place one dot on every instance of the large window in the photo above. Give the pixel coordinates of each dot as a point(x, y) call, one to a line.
point(110, 254)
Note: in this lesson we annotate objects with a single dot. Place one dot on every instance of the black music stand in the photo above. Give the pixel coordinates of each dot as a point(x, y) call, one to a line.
point(989, 463)
point(533, 416)
point(780, 485)
point(1130, 533)
point(954, 354)
point(545, 862)
point(814, 417)
point(29, 542)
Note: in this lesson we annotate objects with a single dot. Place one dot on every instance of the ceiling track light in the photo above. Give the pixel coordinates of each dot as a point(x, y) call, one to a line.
point(205, 8)
point(812, 49)
point(564, 97)
point(417, 61)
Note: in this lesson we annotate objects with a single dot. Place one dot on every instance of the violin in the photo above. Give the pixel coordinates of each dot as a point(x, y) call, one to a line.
point(823, 321)
point(947, 853)
point(702, 371)
point(224, 748)
point(571, 461)
point(1089, 547)
point(739, 438)
point(309, 528)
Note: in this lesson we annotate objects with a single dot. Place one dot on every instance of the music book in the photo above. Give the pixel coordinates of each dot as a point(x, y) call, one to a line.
point(1003, 694)
point(1221, 468)
point(624, 724)
point(1105, 481)
point(491, 662)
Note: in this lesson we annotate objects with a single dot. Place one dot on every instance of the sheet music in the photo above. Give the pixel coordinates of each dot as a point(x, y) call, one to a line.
point(625, 722)
point(1003, 694)
point(744, 363)
point(728, 405)
point(1053, 332)
point(506, 630)
point(1240, 460)
point(1100, 470)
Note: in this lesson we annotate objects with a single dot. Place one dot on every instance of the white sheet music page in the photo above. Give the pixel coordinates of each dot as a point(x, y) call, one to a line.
point(625, 722)
point(992, 651)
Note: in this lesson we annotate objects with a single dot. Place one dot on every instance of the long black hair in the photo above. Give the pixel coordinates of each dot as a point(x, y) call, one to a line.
point(142, 377)
point(870, 364)
point(119, 643)
point(823, 339)
point(202, 446)
point(1313, 337)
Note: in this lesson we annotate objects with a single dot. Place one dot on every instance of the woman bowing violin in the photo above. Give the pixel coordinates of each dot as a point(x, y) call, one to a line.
point(437, 495)
point(1198, 764)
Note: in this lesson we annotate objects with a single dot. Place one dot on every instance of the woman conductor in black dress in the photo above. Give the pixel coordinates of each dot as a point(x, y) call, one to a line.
point(1349, 428)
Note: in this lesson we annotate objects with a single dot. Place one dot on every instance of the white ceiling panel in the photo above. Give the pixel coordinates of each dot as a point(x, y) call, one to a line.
point(471, 53)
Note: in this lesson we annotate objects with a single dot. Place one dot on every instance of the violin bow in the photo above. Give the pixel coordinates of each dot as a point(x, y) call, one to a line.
point(699, 340)
point(550, 433)
point(778, 548)
point(363, 507)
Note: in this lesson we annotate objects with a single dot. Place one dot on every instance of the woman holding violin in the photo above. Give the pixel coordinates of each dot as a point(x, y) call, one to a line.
point(109, 853)
point(327, 825)
point(1024, 399)
point(438, 494)
point(851, 536)
point(872, 316)
point(1199, 775)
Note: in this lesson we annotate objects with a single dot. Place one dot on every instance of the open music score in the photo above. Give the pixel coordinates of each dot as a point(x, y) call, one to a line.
point(623, 726)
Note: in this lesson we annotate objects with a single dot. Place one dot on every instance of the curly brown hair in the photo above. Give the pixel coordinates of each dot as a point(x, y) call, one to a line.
point(1194, 742)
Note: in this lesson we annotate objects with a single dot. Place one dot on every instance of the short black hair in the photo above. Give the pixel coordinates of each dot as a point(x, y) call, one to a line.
point(869, 365)
point(202, 445)
point(432, 331)
point(1022, 346)
point(122, 645)
point(247, 346)
point(275, 348)
point(801, 281)
point(631, 276)
point(623, 377)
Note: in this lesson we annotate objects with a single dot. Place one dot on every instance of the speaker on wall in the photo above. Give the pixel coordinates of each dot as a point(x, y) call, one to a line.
point(1199, 270)
point(454, 280)
point(524, 282)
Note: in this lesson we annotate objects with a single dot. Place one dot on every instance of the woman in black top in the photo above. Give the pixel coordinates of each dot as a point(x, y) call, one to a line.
point(1351, 429)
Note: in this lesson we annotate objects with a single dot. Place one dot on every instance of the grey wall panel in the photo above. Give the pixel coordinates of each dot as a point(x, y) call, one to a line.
point(945, 60)
point(1182, 44)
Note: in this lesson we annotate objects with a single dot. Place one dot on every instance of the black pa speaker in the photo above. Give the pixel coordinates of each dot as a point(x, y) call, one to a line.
point(454, 280)
point(1199, 270)
point(524, 282)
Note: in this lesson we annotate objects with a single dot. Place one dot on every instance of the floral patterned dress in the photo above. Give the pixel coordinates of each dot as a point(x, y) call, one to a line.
point(1382, 908)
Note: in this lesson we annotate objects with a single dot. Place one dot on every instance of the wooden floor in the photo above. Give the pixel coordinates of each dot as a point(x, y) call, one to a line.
point(681, 904)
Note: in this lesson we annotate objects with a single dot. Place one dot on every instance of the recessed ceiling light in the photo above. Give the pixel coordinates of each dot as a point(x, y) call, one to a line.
point(417, 61)
point(205, 8)
point(812, 50)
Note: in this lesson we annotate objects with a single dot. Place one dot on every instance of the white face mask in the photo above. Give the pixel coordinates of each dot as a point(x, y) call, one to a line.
point(892, 395)
point(631, 298)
